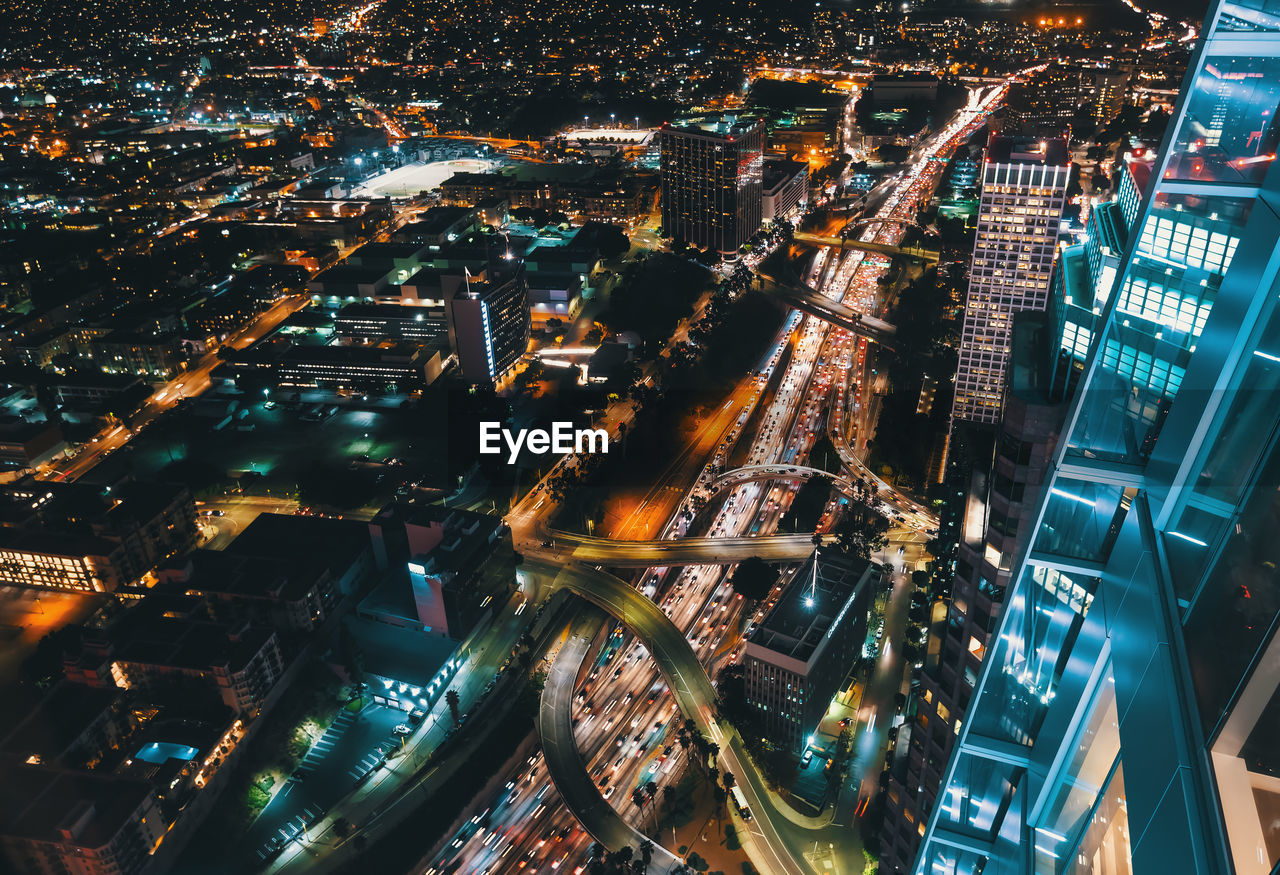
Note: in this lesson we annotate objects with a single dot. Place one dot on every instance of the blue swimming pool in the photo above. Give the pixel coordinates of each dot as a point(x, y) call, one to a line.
point(160, 751)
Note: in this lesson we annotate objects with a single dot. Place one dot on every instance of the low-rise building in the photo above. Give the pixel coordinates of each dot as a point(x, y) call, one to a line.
point(85, 538)
point(786, 188)
point(54, 821)
point(377, 321)
point(168, 641)
point(26, 445)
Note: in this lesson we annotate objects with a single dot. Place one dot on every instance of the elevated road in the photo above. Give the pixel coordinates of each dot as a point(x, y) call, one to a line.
point(767, 473)
point(567, 546)
point(808, 300)
point(696, 698)
point(564, 762)
point(922, 255)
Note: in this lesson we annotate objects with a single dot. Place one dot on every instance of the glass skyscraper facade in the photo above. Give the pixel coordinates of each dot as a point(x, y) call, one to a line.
point(1127, 712)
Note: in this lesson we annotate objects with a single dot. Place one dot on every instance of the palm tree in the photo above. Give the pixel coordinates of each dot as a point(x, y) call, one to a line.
point(452, 700)
point(728, 780)
point(646, 852)
point(713, 750)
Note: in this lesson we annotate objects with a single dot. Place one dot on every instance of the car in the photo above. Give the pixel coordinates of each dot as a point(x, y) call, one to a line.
point(807, 758)
point(402, 729)
point(608, 792)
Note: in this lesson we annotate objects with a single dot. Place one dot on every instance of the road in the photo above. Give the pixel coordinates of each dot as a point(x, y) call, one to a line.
point(568, 547)
point(694, 694)
point(560, 748)
point(823, 366)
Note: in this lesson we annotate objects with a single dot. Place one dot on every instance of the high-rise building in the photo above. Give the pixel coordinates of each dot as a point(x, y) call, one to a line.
point(1044, 104)
point(995, 496)
point(712, 195)
point(1024, 187)
point(1105, 92)
point(489, 323)
point(796, 659)
point(1125, 716)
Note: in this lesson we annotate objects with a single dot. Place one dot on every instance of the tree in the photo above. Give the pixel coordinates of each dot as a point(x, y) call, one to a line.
point(451, 699)
point(754, 579)
point(861, 532)
point(646, 852)
point(728, 779)
point(352, 659)
point(806, 508)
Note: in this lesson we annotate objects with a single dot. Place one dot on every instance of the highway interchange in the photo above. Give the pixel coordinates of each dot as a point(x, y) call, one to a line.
point(623, 706)
point(680, 624)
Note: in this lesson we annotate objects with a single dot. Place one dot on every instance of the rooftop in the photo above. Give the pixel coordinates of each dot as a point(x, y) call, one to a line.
point(724, 126)
point(405, 655)
point(39, 802)
point(1050, 152)
point(811, 605)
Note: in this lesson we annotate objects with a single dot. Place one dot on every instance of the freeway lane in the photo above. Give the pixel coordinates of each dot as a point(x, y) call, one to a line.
point(695, 695)
point(564, 762)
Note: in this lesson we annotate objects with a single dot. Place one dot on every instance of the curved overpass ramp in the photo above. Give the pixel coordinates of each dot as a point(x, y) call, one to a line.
point(695, 696)
point(564, 762)
point(766, 473)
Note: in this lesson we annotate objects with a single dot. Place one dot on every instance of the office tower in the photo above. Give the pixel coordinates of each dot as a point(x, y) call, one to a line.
point(1086, 271)
point(1044, 104)
point(1106, 93)
point(711, 181)
point(796, 659)
point(489, 323)
point(1024, 186)
point(1126, 715)
point(995, 495)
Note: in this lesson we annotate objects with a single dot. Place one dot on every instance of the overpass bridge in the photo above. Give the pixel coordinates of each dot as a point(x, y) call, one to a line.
point(922, 255)
point(808, 300)
point(765, 473)
point(589, 550)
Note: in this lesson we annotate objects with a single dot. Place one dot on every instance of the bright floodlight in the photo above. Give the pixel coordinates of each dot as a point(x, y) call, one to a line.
point(808, 601)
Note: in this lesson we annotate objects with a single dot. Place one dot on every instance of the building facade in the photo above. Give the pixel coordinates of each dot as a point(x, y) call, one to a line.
point(711, 182)
point(786, 188)
point(1024, 187)
point(1001, 494)
point(1086, 271)
point(1125, 717)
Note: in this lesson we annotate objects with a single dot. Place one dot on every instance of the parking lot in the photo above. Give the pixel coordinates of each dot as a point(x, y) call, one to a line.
point(353, 747)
